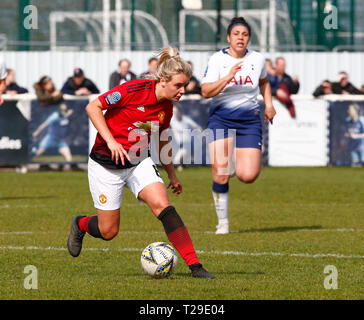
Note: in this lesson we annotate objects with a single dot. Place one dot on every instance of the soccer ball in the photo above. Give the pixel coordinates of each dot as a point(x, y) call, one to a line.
point(159, 260)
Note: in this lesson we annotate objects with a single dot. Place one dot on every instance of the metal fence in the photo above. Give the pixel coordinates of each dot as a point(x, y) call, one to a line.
point(278, 25)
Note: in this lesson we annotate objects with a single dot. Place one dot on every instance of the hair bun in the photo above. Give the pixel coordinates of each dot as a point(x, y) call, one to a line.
point(167, 53)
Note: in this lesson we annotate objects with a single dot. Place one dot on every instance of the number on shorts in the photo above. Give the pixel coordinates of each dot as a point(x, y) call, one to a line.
point(156, 171)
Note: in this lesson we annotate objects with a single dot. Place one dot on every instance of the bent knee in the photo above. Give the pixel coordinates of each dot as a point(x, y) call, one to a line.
point(109, 233)
point(159, 206)
point(249, 177)
point(221, 179)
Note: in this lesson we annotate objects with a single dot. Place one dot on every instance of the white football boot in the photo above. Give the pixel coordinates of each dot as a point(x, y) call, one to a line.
point(222, 228)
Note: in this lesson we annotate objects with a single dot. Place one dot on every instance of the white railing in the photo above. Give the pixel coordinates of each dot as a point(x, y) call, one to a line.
point(307, 140)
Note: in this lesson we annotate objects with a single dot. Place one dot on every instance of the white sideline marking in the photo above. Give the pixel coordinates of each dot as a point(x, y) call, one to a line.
point(235, 253)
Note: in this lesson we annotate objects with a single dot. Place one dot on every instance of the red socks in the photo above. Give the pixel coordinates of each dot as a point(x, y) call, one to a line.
point(90, 225)
point(181, 240)
point(83, 223)
point(173, 225)
point(178, 235)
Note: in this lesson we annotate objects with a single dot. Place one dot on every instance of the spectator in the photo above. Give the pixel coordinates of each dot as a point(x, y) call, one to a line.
point(46, 91)
point(152, 67)
point(287, 86)
point(343, 86)
point(356, 135)
point(122, 74)
point(3, 74)
point(324, 88)
point(11, 86)
point(272, 77)
point(79, 85)
point(362, 89)
point(193, 86)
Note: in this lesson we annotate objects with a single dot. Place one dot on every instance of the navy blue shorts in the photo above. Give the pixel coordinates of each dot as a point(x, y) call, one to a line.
point(247, 131)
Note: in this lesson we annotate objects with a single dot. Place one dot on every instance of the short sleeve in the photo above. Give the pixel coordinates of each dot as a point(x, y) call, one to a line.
point(263, 73)
point(212, 72)
point(113, 98)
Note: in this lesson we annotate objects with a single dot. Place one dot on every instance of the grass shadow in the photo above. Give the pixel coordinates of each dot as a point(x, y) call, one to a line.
point(281, 229)
point(26, 197)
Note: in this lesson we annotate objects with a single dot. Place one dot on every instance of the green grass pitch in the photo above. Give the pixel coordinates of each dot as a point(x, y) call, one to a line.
point(286, 228)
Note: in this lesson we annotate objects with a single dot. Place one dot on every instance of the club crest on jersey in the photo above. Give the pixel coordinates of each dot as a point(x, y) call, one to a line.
point(102, 198)
point(113, 97)
point(161, 116)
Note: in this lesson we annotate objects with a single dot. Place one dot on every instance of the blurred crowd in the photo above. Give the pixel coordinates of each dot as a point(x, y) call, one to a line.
point(79, 85)
point(282, 84)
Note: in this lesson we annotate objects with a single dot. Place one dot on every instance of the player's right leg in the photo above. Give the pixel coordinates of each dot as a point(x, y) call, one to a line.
point(104, 225)
point(221, 154)
point(106, 188)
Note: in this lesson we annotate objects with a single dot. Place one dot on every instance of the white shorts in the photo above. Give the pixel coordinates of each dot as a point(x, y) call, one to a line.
point(107, 186)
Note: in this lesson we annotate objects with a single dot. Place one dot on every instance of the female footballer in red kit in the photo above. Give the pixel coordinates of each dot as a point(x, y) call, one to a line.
point(120, 157)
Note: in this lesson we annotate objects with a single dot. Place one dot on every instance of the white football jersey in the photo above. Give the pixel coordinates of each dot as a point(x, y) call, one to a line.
point(243, 90)
point(3, 70)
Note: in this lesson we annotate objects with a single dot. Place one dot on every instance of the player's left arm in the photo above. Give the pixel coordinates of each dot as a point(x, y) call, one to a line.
point(266, 92)
point(165, 158)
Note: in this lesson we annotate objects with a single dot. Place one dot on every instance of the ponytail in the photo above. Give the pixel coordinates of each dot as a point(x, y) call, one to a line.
point(170, 64)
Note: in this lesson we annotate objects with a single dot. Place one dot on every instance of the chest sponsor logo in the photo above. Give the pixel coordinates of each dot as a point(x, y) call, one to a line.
point(147, 126)
point(242, 81)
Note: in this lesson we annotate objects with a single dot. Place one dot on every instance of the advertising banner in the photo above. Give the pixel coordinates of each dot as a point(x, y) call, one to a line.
point(13, 133)
point(300, 141)
point(59, 133)
point(347, 133)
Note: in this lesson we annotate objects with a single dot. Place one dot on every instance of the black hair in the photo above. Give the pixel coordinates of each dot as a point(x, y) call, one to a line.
point(238, 21)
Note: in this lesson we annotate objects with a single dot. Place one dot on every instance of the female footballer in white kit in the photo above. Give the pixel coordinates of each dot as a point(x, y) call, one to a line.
point(233, 79)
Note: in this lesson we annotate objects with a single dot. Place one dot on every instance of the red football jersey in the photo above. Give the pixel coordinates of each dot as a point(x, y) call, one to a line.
point(132, 114)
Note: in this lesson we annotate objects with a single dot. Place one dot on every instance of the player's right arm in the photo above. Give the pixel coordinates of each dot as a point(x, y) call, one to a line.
point(211, 89)
point(2, 90)
point(94, 110)
point(40, 128)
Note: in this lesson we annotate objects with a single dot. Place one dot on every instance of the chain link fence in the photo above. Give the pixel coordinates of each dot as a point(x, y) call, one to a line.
point(277, 25)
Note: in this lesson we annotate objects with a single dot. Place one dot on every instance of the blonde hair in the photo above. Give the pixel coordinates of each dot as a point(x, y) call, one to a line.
point(170, 64)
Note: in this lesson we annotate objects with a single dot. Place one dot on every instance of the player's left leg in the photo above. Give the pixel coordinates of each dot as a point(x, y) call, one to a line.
point(147, 185)
point(155, 196)
point(248, 164)
point(66, 152)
